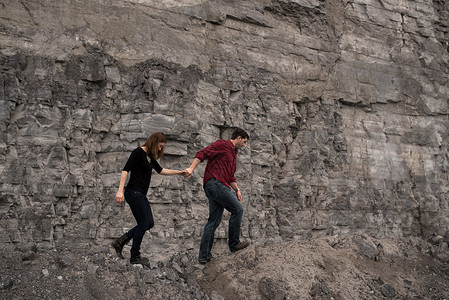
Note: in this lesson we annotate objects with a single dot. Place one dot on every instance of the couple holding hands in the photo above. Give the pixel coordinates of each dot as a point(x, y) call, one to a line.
point(219, 185)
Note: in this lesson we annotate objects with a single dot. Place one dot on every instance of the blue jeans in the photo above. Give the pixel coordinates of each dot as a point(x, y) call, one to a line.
point(220, 197)
point(140, 207)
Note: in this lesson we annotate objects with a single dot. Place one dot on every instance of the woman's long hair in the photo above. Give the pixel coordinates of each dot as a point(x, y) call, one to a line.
point(152, 145)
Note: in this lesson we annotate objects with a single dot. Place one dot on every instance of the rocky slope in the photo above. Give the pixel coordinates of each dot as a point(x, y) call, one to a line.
point(356, 267)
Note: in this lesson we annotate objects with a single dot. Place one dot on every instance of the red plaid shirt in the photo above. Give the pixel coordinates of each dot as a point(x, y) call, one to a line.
point(222, 161)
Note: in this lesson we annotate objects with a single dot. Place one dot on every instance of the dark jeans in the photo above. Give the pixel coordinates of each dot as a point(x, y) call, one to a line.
point(220, 197)
point(141, 210)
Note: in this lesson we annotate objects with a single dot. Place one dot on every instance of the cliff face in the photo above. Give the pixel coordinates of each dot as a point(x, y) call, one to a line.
point(346, 104)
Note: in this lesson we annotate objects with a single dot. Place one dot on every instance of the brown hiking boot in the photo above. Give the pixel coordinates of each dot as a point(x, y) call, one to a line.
point(240, 246)
point(119, 243)
point(137, 259)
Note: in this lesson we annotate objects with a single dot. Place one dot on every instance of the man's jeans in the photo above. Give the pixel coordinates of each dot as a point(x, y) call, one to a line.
point(220, 197)
point(141, 210)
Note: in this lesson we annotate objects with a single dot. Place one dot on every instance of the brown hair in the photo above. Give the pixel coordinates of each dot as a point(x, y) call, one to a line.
point(152, 145)
point(238, 132)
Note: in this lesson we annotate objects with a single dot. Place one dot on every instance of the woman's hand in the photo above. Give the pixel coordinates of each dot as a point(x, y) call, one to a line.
point(119, 197)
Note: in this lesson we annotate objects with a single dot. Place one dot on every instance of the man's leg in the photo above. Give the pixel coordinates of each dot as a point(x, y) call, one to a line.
point(231, 203)
point(215, 215)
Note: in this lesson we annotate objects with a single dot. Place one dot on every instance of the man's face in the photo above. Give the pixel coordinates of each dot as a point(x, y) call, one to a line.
point(240, 142)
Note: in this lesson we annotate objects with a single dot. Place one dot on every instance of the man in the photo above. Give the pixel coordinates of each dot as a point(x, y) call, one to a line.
point(222, 191)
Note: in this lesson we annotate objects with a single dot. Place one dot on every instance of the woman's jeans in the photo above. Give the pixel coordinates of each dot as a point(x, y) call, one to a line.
point(141, 210)
point(220, 197)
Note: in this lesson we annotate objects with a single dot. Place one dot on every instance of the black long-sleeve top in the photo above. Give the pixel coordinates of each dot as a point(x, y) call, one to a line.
point(140, 165)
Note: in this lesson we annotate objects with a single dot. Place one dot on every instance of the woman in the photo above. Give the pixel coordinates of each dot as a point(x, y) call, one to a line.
point(141, 162)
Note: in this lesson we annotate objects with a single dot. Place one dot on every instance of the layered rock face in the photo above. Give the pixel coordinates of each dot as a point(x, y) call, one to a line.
point(346, 104)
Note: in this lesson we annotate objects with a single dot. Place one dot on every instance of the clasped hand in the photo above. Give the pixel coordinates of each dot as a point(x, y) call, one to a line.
point(188, 172)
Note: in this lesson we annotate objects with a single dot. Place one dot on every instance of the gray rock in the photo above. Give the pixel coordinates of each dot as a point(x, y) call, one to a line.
point(270, 289)
point(388, 290)
point(367, 247)
point(216, 296)
point(346, 110)
point(88, 210)
point(65, 260)
point(95, 288)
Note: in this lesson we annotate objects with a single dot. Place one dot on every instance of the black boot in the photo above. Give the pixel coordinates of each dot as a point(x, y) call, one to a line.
point(119, 243)
point(137, 259)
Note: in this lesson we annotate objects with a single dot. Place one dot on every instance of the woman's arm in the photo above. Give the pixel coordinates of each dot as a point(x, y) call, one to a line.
point(119, 196)
point(171, 172)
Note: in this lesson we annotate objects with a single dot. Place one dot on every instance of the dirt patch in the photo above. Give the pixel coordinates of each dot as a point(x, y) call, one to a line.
point(329, 269)
point(357, 267)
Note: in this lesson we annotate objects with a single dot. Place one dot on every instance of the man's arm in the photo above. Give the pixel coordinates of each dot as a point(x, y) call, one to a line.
point(189, 170)
point(236, 189)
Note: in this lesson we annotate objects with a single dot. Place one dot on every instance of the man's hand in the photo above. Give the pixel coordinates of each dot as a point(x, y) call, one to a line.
point(239, 195)
point(119, 197)
point(188, 172)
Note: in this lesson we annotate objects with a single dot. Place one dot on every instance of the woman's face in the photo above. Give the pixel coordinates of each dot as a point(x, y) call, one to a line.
point(161, 146)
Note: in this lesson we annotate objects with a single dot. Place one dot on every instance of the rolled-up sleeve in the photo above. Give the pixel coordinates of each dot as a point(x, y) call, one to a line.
point(210, 151)
point(221, 165)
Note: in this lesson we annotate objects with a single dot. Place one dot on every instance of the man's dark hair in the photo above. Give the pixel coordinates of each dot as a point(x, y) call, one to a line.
point(239, 132)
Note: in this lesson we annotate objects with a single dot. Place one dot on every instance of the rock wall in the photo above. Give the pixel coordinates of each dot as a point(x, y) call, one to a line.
point(346, 104)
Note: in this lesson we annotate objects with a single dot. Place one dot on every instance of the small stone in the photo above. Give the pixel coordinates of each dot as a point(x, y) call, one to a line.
point(408, 282)
point(388, 290)
point(437, 239)
point(45, 272)
point(270, 289)
point(29, 256)
point(92, 269)
point(177, 268)
point(65, 261)
point(216, 296)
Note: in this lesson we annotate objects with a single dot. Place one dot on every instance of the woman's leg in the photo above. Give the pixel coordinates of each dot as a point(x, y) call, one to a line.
point(141, 210)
